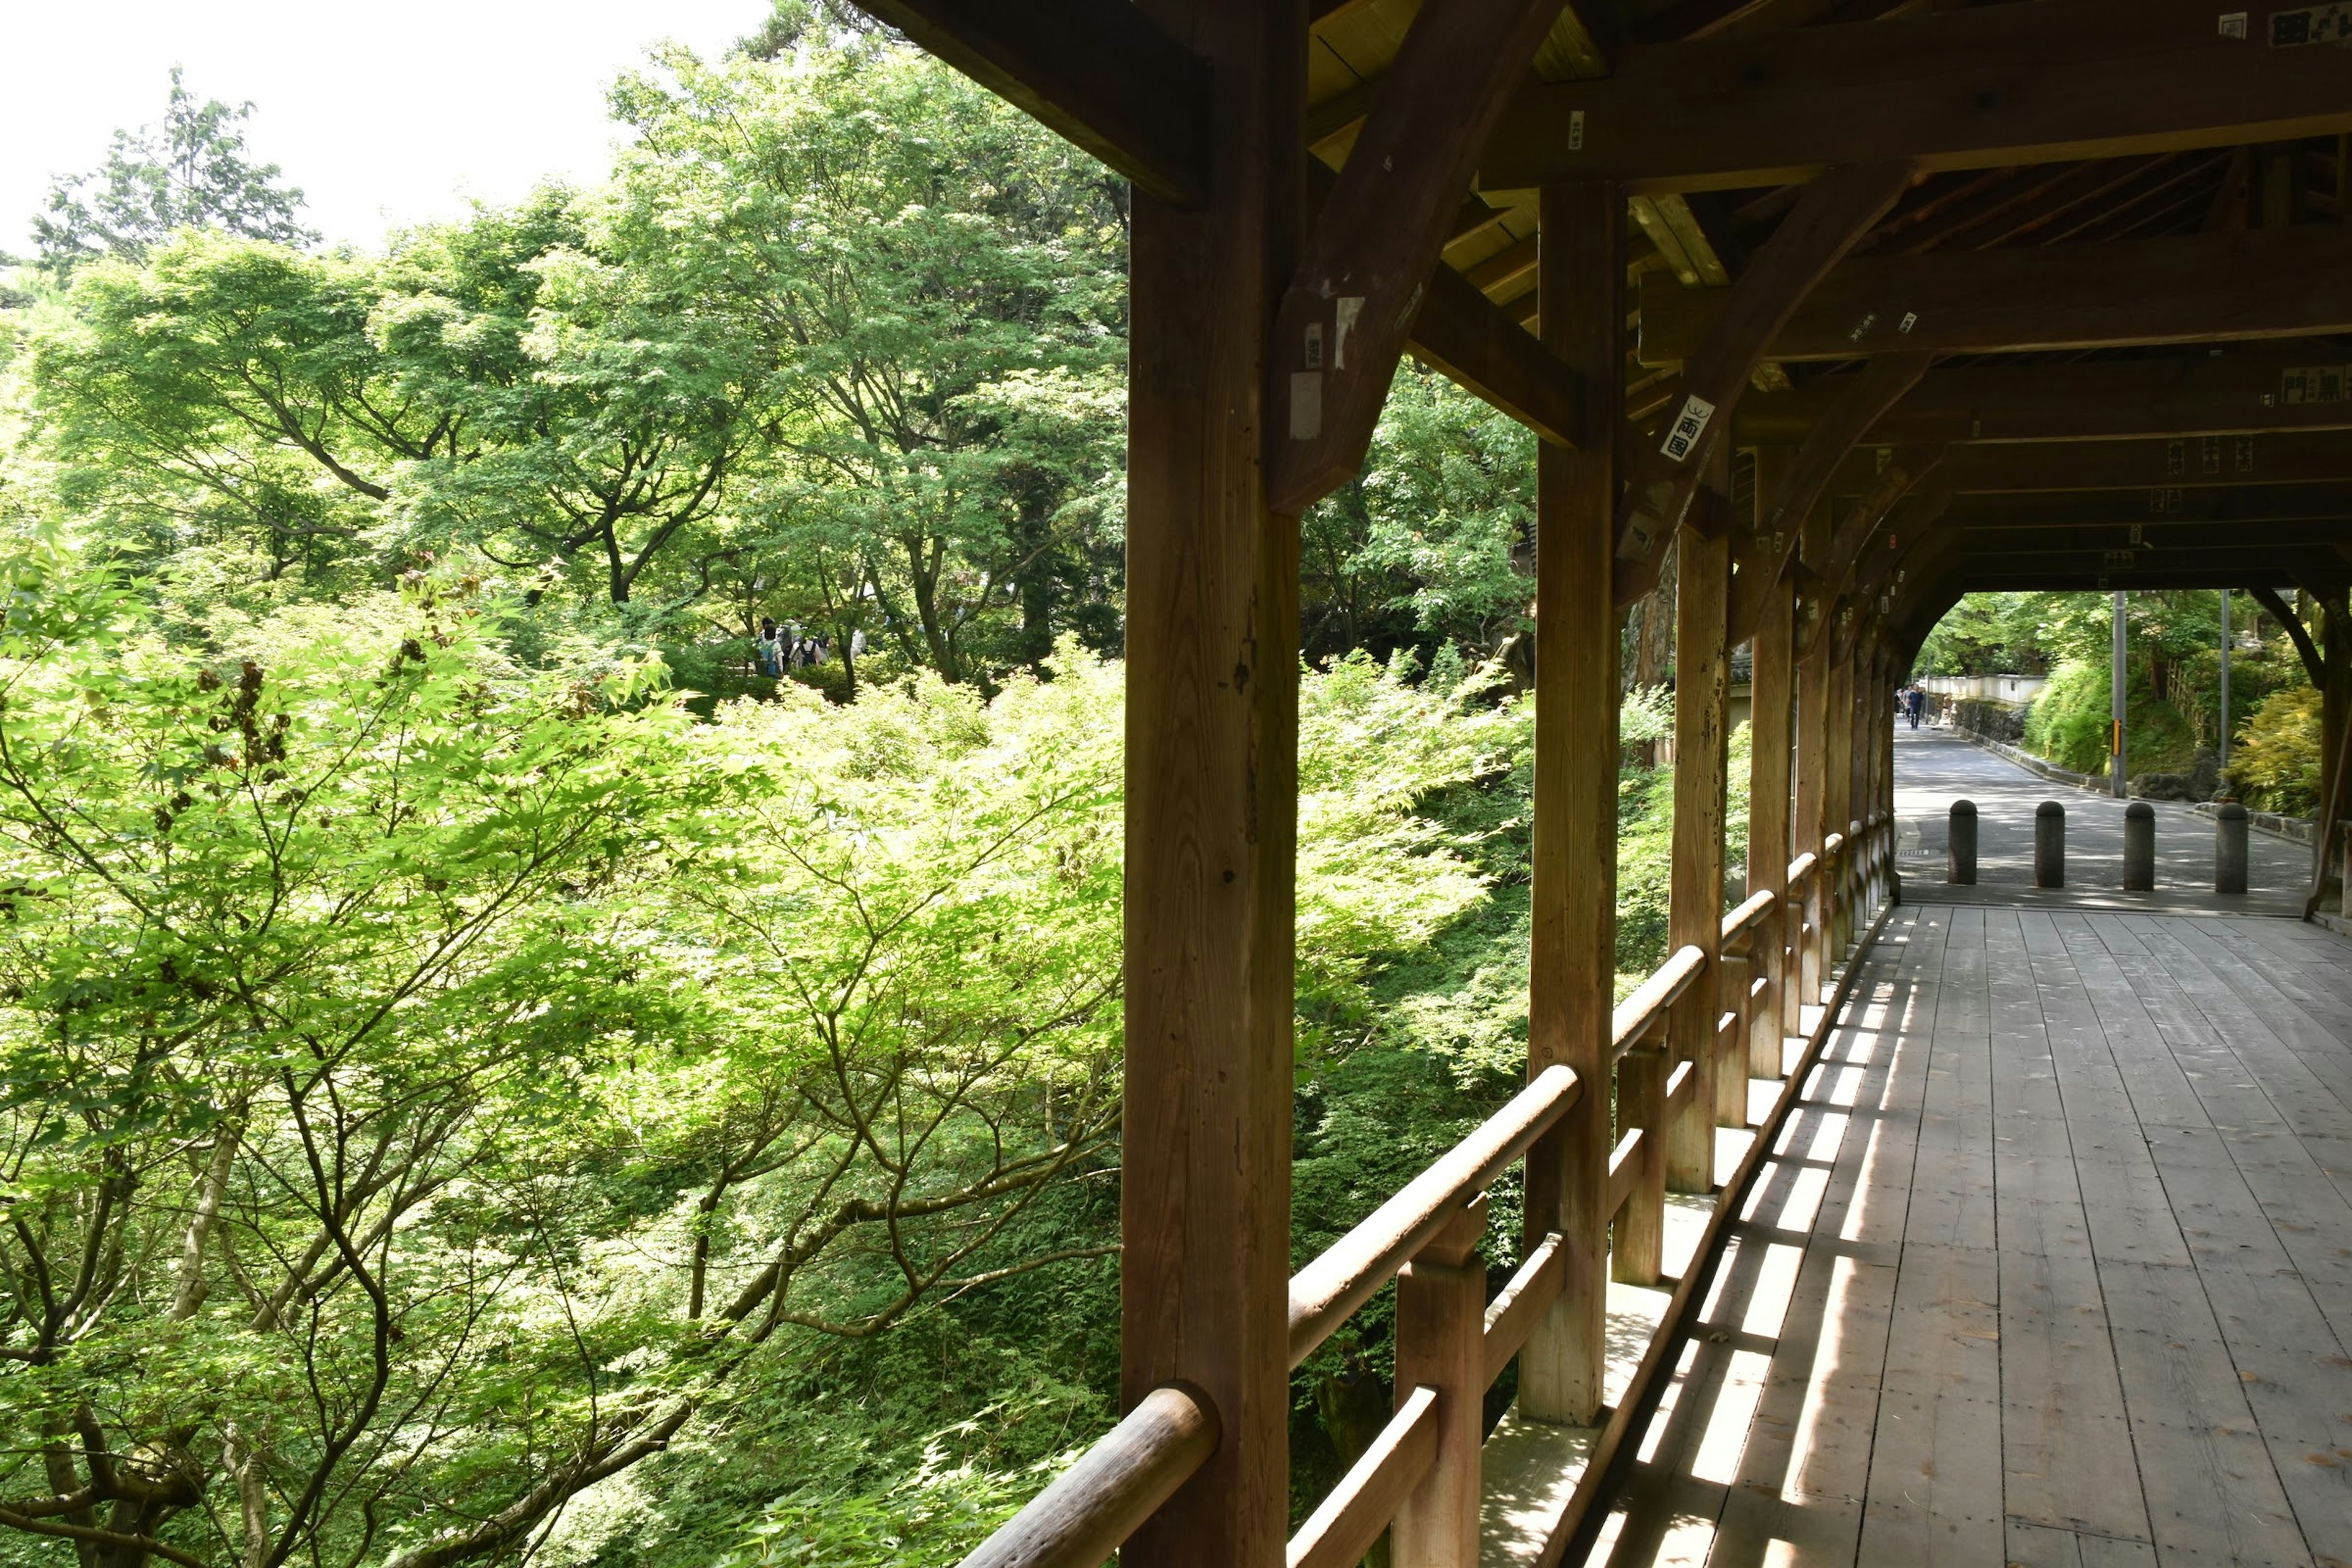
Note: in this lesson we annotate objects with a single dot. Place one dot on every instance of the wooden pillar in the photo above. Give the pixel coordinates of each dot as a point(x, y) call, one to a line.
point(1572, 958)
point(2335, 643)
point(1811, 819)
point(1211, 711)
point(1837, 796)
point(1771, 734)
point(1694, 903)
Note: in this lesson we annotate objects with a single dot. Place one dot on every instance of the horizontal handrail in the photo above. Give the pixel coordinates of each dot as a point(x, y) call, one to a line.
point(1802, 866)
point(1338, 1534)
point(1094, 1505)
point(1757, 906)
point(1343, 1279)
point(1655, 995)
point(1833, 844)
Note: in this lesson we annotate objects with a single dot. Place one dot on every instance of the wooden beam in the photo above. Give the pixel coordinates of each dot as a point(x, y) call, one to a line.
point(2262, 283)
point(1346, 314)
point(2204, 569)
point(2314, 667)
point(1834, 214)
point(1572, 950)
point(1882, 556)
point(1211, 813)
point(2155, 509)
point(1862, 401)
point(1988, 87)
point(1462, 335)
point(1104, 75)
point(1460, 332)
point(2274, 388)
point(2300, 457)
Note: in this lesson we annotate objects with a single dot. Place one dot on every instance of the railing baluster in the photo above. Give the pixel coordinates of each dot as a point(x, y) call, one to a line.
point(1441, 1343)
point(1731, 1063)
point(1638, 1255)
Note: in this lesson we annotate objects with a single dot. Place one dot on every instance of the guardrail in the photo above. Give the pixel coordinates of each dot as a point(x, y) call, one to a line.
point(1420, 1477)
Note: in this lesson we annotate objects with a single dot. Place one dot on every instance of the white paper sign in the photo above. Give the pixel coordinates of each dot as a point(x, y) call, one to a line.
point(1688, 427)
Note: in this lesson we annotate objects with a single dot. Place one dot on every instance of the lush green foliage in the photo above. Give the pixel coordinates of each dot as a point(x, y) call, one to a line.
point(2172, 674)
point(477, 1086)
point(2277, 764)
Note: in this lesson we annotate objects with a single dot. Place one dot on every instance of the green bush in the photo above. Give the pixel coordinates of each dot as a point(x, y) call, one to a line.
point(2276, 765)
point(2068, 724)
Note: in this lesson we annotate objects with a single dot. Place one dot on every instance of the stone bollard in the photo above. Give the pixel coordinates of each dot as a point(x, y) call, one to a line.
point(2139, 847)
point(2229, 848)
point(2050, 845)
point(1961, 841)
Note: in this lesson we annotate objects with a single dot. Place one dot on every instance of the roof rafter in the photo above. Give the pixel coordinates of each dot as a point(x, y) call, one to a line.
point(1981, 88)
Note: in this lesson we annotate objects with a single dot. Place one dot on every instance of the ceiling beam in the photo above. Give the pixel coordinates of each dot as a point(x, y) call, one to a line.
point(2270, 389)
point(2157, 508)
point(1475, 343)
point(1986, 87)
point(1103, 76)
point(1833, 213)
point(2207, 287)
point(1351, 304)
point(2181, 461)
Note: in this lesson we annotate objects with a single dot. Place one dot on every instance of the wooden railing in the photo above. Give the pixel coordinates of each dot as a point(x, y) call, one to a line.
point(1419, 1479)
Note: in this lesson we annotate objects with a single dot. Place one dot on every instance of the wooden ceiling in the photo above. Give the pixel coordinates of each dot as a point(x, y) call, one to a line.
point(2118, 221)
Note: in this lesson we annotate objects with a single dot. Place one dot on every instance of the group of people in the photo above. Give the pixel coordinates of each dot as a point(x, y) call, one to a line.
point(780, 649)
point(1911, 702)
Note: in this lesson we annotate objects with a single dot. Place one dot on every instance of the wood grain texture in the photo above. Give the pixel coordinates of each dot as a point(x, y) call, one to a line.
point(1345, 315)
point(1572, 874)
point(2242, 393)
point(2190, 290)
point(1694, 905)
point(1833, 213)
point(1969, 89)
point(1212, 640)
point(1771, 741)
point(2069, 1260)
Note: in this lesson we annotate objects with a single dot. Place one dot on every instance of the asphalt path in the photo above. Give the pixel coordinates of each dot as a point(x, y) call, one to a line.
point(1933, 768)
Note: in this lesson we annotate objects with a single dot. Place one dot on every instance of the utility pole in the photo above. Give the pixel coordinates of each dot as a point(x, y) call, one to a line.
point(2116, 744)
point(2225, 681)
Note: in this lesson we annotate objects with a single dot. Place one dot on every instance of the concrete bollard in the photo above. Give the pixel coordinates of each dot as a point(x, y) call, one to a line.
point(1961, 841)
point(2229, 848)
point(2139, 847)
point(2050, 845)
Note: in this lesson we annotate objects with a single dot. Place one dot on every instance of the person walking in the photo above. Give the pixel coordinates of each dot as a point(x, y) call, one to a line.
point(769, 649)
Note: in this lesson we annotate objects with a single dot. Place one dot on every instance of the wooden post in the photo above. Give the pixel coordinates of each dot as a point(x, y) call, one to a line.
point(1639, 1256)
point(1731, 1069)
point(1441, 1344)
point(1838, 796)
point(1694, 904)
point(1770, 725)
point(1212, 763)
point(1573, 957)
point(1813, 824)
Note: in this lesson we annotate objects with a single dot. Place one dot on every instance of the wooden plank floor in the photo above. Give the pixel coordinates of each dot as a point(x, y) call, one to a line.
point(2053, 1266)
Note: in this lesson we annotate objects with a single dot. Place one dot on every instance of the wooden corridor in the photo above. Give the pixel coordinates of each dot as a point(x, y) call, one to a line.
point(2052, 1265)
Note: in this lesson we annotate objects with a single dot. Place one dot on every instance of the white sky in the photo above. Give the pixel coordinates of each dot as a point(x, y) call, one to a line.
point(381, 114)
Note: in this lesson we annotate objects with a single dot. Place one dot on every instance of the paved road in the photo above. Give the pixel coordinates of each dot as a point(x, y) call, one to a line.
point(1933, 768)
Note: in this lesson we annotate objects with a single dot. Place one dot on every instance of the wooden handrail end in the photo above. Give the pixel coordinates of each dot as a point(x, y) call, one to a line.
point(1094, 1505)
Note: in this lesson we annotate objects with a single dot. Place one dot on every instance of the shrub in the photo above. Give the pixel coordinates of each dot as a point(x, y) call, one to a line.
point(2276, 765)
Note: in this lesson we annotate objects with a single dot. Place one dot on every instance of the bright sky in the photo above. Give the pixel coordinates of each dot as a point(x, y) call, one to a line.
point(381, 114)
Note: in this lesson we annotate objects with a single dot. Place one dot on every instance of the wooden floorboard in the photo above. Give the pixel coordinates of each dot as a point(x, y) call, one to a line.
point(2051, 1266)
